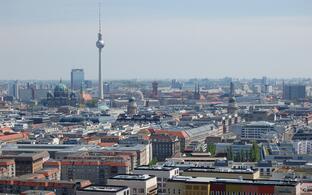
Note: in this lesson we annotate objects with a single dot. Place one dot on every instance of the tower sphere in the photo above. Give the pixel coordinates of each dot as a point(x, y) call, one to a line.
point(100, 44)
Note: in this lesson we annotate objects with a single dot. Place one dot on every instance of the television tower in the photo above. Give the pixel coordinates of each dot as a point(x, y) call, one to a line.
point(100, 45)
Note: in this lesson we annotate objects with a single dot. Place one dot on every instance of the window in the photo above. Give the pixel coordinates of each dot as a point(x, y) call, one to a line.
point(141, 190)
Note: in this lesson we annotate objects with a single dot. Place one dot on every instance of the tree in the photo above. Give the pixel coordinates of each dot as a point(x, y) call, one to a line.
point(211, 148)
point(153, 161)
point(255, 152)
point(229, 153)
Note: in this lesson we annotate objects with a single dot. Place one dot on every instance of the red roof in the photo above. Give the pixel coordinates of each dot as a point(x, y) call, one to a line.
point(180, 134)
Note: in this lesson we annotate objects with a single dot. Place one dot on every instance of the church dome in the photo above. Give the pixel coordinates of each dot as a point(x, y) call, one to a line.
point(232, 100)
point(60, 90)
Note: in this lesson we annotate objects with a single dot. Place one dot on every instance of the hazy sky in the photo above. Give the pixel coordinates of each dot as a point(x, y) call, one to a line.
point(45, 39)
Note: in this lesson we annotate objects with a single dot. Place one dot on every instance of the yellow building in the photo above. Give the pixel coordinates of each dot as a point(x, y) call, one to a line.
point(183, 185)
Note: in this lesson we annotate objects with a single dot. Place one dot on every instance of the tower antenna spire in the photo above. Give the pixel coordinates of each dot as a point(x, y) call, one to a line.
point(100, 27)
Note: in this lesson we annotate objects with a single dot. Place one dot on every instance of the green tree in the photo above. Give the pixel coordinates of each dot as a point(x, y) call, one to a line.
point(229, 153)
point(211, 148)
point(153, 161)
point(255, 152)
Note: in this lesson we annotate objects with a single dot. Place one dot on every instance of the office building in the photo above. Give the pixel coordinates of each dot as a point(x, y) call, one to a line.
point(77, 79)
point(294, 92)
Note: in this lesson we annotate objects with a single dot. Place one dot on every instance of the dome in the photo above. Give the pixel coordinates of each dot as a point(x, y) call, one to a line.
point(60, 90)
point(132, 99)
point(137, 94)
point(232, 100)
point(60, 87)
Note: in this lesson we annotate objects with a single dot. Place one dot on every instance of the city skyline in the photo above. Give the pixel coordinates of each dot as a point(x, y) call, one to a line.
point(156, 40)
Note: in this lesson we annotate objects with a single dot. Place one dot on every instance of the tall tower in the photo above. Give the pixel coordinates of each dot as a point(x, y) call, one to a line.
point(100, 45)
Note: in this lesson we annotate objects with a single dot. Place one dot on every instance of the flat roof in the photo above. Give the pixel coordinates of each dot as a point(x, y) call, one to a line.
point(155, 168)
point(105, 188)
point(141, 177)
point(220, 170)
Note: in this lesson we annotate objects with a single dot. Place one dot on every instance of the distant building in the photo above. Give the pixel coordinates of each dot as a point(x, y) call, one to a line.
point(132, 108)
point(175, 84)
point(106, 87)
point(294, 92)
point(61, 97)
point(76, 78)
point(13, 89)
point(155, 89)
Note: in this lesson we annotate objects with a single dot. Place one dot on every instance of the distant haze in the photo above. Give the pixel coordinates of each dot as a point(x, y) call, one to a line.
point(156, 39)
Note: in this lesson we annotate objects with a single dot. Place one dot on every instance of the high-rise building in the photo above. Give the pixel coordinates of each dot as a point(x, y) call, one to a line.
point(155, 89)
point(76, 78)
point(294, 92)
point(13, 89)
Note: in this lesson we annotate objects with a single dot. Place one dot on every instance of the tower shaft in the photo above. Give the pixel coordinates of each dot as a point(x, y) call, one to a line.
point(100, 89)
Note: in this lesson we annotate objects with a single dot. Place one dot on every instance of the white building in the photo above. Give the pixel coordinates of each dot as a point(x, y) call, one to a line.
point(256, 130)
point(303, 146)
point(162, 174)
point(138, 184)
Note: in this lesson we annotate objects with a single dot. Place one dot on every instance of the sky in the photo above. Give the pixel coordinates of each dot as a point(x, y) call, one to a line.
point(163, 39)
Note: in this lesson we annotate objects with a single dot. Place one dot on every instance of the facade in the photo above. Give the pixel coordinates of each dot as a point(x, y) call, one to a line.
point(256, 130)
point(104, 190)
point(7, 168)
point(294, 92)
point(17, 186)
point(162, 174)
point(165, 146)
point(184, 185)
point(303, 146)
point(138, 184)
point(26, 163)
point(142, 151)
point(97, 171)
point(77, 79)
